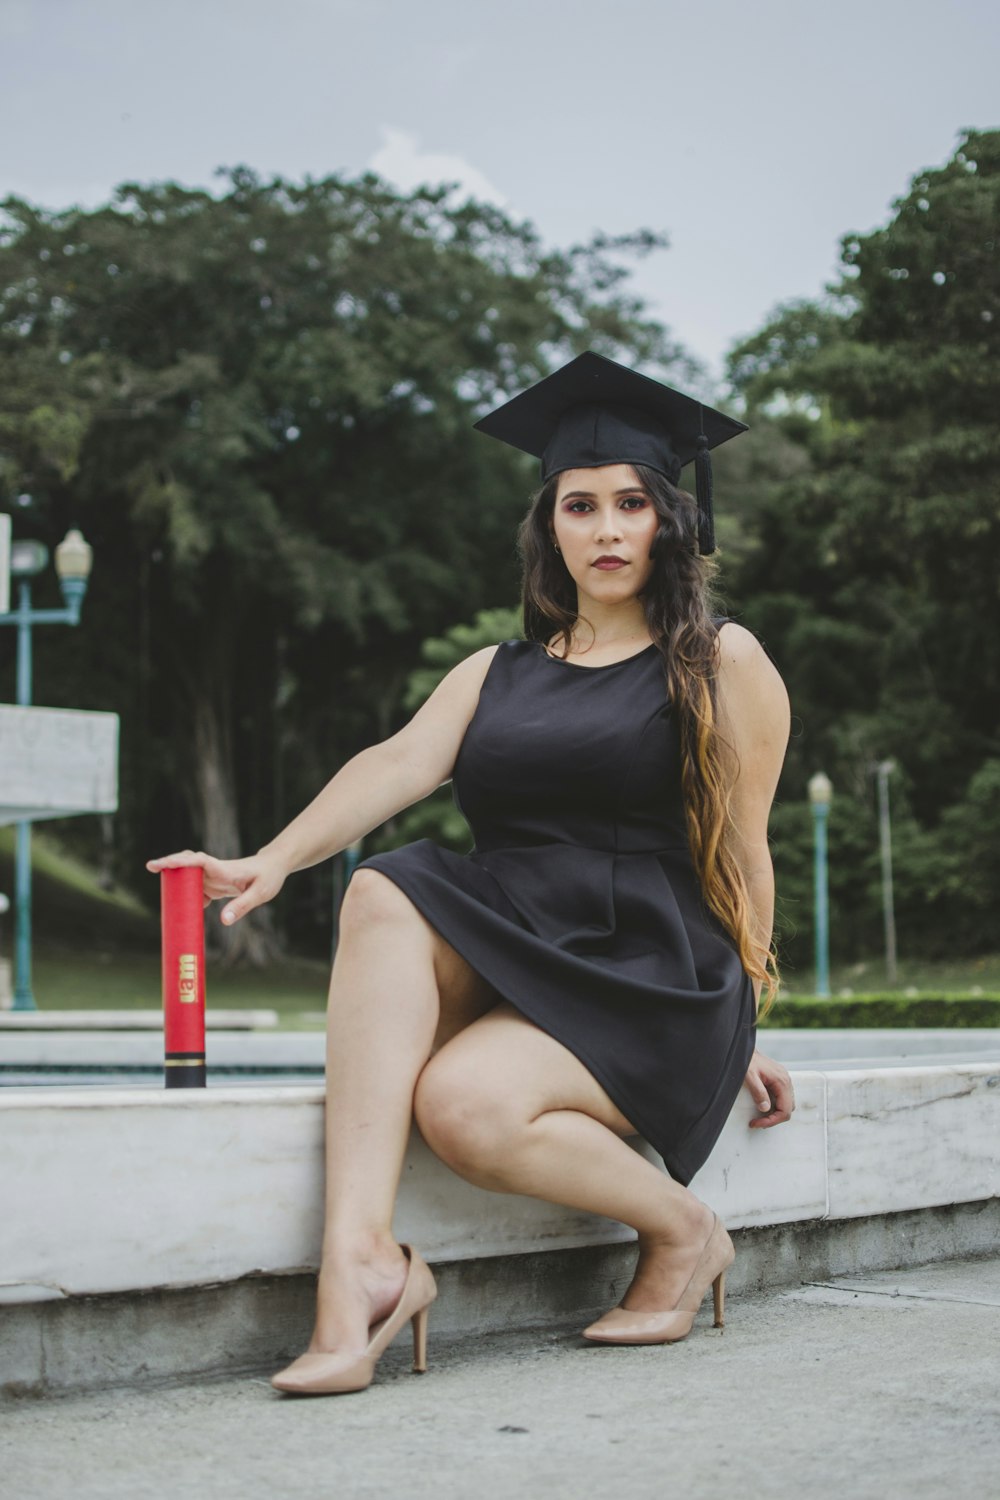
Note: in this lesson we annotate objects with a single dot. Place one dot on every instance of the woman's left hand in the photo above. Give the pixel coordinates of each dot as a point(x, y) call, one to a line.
point(771, 1088)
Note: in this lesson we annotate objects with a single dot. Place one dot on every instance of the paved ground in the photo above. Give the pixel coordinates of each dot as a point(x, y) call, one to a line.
point(884, 1386)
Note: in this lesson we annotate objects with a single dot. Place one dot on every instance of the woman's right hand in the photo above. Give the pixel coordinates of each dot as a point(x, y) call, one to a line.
point(253, 881)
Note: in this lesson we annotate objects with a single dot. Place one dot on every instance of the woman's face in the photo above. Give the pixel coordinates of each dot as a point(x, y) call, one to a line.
point(605, 512)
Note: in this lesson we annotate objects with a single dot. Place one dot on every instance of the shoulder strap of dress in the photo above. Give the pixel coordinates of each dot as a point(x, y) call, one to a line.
point(718, 620)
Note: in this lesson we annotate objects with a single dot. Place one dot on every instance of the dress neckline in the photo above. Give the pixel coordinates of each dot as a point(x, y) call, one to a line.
point(604, 666)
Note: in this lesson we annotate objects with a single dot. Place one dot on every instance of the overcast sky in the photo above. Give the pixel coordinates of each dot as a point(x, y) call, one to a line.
point(754, 134)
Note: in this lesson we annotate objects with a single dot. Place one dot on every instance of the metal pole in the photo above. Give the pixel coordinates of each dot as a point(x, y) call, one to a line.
point(820, 812)
point(885, 843)
point(24, 644)
point(23, 997)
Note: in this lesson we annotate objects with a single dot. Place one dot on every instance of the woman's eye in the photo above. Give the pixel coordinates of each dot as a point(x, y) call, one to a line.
point(631, 500)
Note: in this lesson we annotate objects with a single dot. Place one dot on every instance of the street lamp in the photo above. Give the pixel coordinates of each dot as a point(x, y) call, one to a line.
point(28, 559)
point(820, 797)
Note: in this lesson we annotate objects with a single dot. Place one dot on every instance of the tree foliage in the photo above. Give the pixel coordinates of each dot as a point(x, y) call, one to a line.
point(258, 407)
point(873, 570)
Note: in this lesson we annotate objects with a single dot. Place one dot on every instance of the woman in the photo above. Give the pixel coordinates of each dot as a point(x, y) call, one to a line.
point(591, 970)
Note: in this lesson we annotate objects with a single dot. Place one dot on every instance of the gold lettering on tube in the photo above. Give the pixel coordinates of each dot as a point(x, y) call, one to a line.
point(188, 978)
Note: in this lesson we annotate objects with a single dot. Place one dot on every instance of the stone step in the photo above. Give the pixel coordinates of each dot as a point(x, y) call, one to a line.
point(117, 1200)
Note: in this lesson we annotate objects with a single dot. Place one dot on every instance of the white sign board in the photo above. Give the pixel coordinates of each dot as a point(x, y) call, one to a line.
point(55, 762)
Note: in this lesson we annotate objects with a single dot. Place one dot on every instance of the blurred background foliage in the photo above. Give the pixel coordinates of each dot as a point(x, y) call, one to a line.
point(258, 408)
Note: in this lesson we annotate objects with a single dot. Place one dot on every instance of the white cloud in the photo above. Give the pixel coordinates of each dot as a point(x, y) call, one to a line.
point(400, 160)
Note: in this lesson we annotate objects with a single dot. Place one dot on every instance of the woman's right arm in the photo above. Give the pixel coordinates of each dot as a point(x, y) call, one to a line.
point(370, 788)
point(381, 781)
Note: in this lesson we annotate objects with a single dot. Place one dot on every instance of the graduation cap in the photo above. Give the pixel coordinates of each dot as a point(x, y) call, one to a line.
point(595, 411)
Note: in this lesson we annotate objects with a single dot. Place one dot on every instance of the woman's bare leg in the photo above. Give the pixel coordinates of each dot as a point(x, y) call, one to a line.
point(391, 973)
point(511, 1109)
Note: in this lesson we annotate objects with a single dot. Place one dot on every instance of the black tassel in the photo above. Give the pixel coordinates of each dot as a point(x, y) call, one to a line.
point(706, 515)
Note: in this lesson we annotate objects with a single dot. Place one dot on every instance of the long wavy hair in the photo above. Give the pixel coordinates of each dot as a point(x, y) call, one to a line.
point(678, 603)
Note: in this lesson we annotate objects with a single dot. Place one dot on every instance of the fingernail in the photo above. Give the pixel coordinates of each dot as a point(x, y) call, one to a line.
point(227, 916)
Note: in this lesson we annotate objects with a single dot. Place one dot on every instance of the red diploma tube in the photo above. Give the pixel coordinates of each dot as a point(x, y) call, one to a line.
point(183, 934)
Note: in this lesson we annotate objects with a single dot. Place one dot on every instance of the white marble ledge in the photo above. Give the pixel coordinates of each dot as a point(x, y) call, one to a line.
point(878, 1046)
point(261, 1050)
point(901, 1138)
point(127, 1020)
point(107, 1100)
point(123, 1189)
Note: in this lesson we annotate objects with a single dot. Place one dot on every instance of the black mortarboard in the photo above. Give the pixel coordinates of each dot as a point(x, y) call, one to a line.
point(594, 411)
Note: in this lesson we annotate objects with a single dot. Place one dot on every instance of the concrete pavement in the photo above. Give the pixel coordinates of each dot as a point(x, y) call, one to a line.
point(881, 1385)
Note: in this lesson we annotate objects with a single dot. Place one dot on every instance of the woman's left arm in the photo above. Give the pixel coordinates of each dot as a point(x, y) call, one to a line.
point(755, 720)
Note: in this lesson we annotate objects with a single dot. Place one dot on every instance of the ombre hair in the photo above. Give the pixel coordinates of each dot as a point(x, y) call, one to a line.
point(678, 605)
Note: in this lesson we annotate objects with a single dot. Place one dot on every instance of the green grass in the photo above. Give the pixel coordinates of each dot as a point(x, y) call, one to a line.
point(131, 981)
point(926, 1008)
point(69, 907)
point(971, 975)
point(100, 950)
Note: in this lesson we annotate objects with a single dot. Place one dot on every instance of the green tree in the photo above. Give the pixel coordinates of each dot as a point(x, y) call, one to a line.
point(258, 409)
point(872, 571)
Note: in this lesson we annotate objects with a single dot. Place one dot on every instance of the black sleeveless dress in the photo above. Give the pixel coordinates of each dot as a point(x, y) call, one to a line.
point(579, 901)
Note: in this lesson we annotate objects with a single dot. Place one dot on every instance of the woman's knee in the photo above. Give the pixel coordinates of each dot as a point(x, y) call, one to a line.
point(372, 897)
point(471, 1127)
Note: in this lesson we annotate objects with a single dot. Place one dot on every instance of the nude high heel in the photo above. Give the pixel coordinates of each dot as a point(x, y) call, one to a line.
point(623, 1326)
point(328, 1374)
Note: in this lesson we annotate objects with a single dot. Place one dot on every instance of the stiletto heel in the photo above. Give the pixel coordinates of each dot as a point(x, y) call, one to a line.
point(420, 1342)
point(327, 1374)
point(623, 1326)
point(719, 1291)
